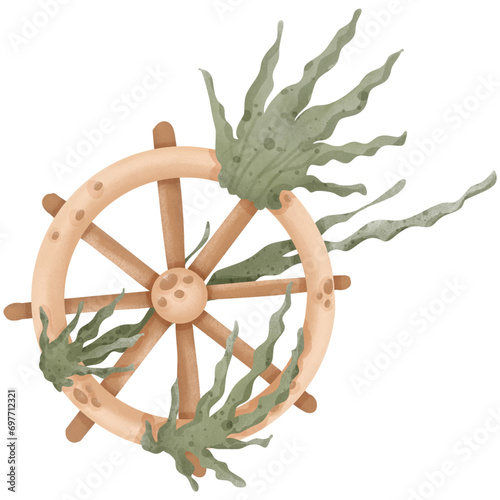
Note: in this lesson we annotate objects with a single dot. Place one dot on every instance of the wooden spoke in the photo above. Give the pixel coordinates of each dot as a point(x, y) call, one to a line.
point(172, 218)
point(108, 247)
point(169, 191)
point(199, 471)
point(142, 300)
point(187, 371)
point(136, 300)
point(224, 237)
point(267, 288)
point(164, 136)
point(135, 355)
point(218, 332)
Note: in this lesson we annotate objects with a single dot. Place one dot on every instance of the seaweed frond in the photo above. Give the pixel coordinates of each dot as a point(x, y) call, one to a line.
point(62, 359)
point(211, 430)
point(274, 259)
point(276, 145)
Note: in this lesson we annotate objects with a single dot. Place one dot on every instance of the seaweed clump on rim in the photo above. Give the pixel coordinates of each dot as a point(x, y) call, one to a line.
point(276, 145)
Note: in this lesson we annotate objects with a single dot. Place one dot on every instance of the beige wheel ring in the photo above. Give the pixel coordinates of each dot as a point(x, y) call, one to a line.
point(116, 180)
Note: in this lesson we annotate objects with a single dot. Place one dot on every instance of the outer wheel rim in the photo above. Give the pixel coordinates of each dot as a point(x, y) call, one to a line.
point(116, 180)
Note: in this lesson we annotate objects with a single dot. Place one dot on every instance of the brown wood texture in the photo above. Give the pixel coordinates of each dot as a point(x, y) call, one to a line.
point(172, 218)
point(142, 300)
point(187, 371)
point(170, 195)
point(224, 237)
point(108, 247)
point(267, 288)
point(172, 221)
point(135, 300)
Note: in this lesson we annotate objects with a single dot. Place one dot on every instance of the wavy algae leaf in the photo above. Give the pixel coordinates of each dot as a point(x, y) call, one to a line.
point(203, 240)
point(276, 146)
point(61, 359)
point(211, 431)
point(385, 230)
point(273, 259)
point(261, 88)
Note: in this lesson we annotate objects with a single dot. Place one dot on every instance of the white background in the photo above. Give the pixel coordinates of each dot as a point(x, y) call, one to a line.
point(379, 443)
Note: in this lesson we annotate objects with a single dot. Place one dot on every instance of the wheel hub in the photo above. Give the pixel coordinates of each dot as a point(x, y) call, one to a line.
point(179, 295)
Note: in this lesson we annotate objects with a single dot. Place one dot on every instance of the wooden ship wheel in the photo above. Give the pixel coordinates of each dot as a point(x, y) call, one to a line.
point(178, 295)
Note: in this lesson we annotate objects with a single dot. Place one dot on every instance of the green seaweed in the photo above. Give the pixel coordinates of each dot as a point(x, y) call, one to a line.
point(275, 146)
point(61, 359)
point(212, 430)
point(203, 240)
point(274, 259)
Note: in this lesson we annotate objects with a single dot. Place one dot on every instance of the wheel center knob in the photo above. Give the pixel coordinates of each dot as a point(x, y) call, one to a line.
point(179, 295)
